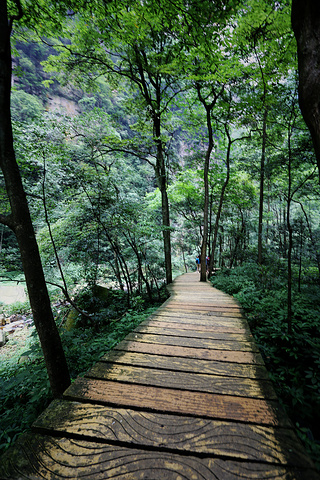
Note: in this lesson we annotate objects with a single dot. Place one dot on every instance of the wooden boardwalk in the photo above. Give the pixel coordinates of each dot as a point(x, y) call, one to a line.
point(185, 396)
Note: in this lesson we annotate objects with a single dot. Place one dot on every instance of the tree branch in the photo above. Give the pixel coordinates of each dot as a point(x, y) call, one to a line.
point(7, 220)
point(16, 17)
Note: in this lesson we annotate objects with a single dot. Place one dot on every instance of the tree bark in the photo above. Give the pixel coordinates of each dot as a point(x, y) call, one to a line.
point(203, 272)
point(19, 221)
point(290, 245)
point(223, 190)
point(161, 177)
point(305, 17)
point(208, 108)
point(262, 171)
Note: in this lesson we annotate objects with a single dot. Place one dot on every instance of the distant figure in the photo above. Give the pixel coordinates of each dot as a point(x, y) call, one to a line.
point(207, 263)
point(198, 262)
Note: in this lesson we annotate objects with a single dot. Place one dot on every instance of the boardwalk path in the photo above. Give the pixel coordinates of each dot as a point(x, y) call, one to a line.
point(185, 396)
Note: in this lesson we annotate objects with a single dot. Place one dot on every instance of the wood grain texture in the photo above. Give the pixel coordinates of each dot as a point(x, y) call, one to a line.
point(178, 363)
point(194, 333)
point(218, 311)
point(193, 382)
point(63, 458)
point(205, 343)
point(200, 404)
point(200, 353)
point(184, 434)
point(180, 323)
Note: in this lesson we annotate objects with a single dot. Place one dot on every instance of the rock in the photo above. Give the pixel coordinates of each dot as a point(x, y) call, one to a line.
point(11, 327)
point(3, 338)
point(24, 359)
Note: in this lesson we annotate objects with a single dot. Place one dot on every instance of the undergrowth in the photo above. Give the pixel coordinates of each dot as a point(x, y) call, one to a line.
point(24, 386)
point(292, 359)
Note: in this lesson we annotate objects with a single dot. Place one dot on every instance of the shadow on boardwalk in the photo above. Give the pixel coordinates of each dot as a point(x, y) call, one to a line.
point(184, 396)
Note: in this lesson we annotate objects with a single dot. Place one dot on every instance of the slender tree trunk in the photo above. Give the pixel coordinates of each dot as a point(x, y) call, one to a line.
point(142, 276)
point(262, 172)
point(19, 221)
point(161, 177)
point(208, 108)
point(300, 256)
point(218, 216)
point(285, 240)
point(184, 259)
point(289, 296)
point(203, 272)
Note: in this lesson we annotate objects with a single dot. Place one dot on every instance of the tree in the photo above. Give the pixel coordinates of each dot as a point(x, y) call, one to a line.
point(19, 221)
point(139, 48)
point(305, 17)
point(264, 29)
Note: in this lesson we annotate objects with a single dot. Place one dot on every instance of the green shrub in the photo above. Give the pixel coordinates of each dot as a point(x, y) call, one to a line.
point(292, 359)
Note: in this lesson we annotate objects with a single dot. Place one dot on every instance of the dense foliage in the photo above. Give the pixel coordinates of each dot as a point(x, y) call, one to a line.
point(292, 358)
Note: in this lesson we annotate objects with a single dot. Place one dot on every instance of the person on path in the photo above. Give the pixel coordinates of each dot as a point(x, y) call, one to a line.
point(198, 262)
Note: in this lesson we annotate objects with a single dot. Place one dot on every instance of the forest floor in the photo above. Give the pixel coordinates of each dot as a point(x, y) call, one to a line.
point(16, 341)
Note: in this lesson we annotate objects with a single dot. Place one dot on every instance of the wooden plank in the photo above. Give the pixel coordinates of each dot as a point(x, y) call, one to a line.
point(209, 312)
point(232, 312)
point(161, 322)
point(194, 333)
point(38, 456)
point(193, 382)
point(214, 319)
point(193, 342)
point(199, 404)
point(186, 364)
point(200, 353)
point(184, 434)
point(207, 303)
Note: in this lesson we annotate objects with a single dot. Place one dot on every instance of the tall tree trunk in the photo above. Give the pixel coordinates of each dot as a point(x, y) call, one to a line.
point(161, 177)
point(218, 216)
point(19, 221)
point(262, 171)
point(289, 295)
point(203, 271)
point(305, 17)
point(208, 108)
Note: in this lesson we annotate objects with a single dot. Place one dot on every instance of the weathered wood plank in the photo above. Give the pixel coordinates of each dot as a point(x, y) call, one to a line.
point(200, 353)
point(209, 312)
point(214, 319)
point(184, 434)
point(193, 382)
point(194, 365)
point(194, 333)
point(41, 457)
point(200, 404)
point(194, 342)
point(200, 310)
point(206, 303)
point(160, 322)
